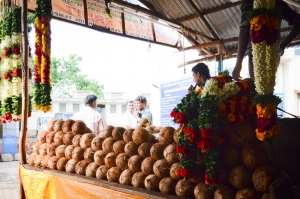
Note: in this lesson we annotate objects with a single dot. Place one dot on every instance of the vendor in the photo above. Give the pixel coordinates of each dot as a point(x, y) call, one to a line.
point(143, 112)
point(201, 73)
point(90, 116)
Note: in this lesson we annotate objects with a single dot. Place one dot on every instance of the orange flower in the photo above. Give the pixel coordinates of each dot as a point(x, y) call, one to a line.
point(232, 108)
point(222, 106)
point(241, 118)
point(220, 140)
point(267, 134)
point(230, 117)
point(199, 90)
point(244, 100)
point(273, 23)
point(250, 110)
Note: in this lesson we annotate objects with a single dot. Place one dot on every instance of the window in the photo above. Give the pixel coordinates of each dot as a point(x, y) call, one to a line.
point(75, 107)
point(113, 108)
point(124, 108)
point(62, 107)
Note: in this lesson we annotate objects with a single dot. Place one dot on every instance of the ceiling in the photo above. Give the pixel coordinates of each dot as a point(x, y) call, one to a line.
point(210, 25)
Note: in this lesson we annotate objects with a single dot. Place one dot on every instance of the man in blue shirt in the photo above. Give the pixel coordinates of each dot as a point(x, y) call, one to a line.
point(143, 112)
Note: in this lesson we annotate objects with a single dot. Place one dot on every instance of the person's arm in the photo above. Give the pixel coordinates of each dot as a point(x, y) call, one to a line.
point(243, 40)
point(101, 125)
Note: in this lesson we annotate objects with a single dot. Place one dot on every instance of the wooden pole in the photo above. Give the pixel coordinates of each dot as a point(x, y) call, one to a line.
point(25, 97)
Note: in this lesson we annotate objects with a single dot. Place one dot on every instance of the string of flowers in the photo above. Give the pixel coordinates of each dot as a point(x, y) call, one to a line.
point(264, 28)
point(42, 61)
point(204, 122)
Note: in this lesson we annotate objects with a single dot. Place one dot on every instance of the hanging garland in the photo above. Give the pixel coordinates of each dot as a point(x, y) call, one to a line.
point(264, 28)
point(42, 61)
point(205, 117)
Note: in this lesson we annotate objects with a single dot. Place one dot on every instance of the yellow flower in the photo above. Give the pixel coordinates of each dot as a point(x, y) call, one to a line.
point(199, 90)
point(36, 107)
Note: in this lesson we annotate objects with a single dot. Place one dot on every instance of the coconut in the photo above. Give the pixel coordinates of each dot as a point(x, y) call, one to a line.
point(52, 162)
point(67, 126)
point(152, 182)
point(140, 135)
point(254, 156)
point(161, 168)
point(91, 170)
point(166, 135)
point(240, 177)
point(88, 130)
point(231, 156)
point(50, 137)
point(99, 157)
point(125, 177)
point(150, 128)
point(97, 143)
point(68, 137)
point(36, 147)
point(263, 177)
point(167, 185)
point(127, 136)
point(266, 196)
point(176, 134)
point(157, 151)
point(122, 161)
point(101, 172)
point(110, 159)
point(138, 180)
point(58, 138)
point(202, 191)
point(147, 166)
point(79, 127)
point(81, 167)
point(170, 154)
point(58, 125)
point(37, 160)
point(131, 149)
point(107, 131)
point(113, 174)
point(86, 140)
point(68, 151)
point(31, 158)
point(89, 155)
point(77, 153)
point(144, 122)
point(173, 172)
point(70, 166)
point(199, 172)
point(51, 124)
point(44, 161)
point(76, 140)
point(247, 194)
point(134, 163)
point(43, 149)
point(61, 164)
point(241, 134)
point(60, 151)
point(107, 145)
point(117, 133)
point(144, 149)
point(118, 146)
point(51, 149)
point(223, 192)
point(185, 188)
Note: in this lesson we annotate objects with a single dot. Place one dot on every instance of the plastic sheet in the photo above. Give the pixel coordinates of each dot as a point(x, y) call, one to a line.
point(38, 185)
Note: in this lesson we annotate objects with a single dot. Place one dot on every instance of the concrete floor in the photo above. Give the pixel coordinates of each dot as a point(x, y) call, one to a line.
point(9, 180)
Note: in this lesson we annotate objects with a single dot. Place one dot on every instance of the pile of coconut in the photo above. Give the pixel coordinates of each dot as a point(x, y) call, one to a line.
point(134, 157)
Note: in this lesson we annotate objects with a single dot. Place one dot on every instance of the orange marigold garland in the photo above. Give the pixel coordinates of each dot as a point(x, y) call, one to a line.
point(43, 56)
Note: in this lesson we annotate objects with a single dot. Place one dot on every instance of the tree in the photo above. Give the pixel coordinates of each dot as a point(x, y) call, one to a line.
point(65, 77)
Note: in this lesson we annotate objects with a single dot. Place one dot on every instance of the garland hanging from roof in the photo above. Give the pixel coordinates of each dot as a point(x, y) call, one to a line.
point(42, 60)
point(264, 28)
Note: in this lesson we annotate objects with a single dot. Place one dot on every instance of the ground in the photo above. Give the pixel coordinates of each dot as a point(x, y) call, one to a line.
point(9, 180)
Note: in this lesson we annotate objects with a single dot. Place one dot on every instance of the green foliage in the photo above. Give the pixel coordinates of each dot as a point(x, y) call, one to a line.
point(265, 99)
point(65, 77)
point(271, 12)
point(44, 8)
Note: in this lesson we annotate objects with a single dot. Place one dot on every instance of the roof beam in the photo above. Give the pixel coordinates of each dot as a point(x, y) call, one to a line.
point(209, 11)
point(204, 45)
point(203, 19)
point(151, 13)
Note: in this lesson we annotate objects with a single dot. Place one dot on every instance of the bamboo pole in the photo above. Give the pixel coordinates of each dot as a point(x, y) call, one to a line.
point(25, 97)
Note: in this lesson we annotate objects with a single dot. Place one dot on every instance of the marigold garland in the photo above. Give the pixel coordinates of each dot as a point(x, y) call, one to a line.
point(42, 60)
point(264, 28)
point(205, 117)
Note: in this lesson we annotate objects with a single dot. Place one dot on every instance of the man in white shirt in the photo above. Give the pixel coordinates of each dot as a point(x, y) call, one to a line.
point(90, 116)
point(129, 118)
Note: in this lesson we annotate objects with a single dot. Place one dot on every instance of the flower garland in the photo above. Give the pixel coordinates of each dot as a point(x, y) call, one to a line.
point(204, 118)
point(11, 67)
point(264, 28)
point(42, 59)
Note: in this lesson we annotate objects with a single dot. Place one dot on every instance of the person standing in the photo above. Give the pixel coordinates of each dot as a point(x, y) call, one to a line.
point(90, 116)
point(201, 73)
point(130, 117)
point(143, 112)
